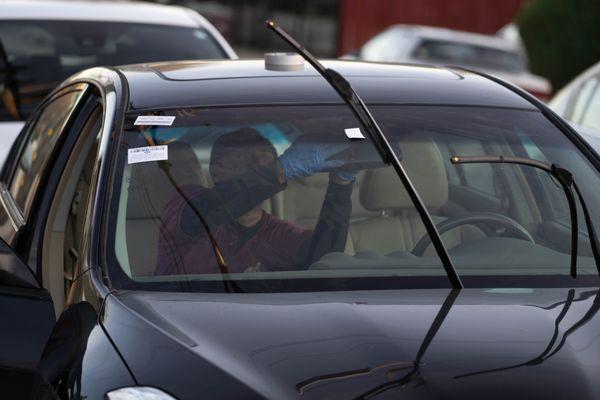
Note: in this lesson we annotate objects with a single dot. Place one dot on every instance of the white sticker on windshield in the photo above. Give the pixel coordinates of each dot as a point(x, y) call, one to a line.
point(163, 120)
point(354, 133)
point(145, 154)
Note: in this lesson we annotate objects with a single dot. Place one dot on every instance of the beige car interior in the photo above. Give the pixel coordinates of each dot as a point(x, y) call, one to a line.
point(147, 192)
point(302, 200)
point(397, 226)
point(383, 217)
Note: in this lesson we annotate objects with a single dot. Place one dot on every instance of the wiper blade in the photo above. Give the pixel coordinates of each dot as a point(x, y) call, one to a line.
point(565, 178)
point(383, 146)
point(229, 284)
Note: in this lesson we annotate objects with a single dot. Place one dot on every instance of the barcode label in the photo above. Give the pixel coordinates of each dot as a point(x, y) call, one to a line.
point(149, 153)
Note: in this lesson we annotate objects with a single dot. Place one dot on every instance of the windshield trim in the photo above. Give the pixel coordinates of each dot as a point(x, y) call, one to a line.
point(346, 284)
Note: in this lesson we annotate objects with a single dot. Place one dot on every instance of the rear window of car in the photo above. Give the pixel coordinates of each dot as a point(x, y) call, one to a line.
point(42, 54)
point(465, 54)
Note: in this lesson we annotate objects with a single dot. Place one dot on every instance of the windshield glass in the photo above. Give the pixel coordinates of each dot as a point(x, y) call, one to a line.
point(44, 53)
point(464, 54)
point(286, 198)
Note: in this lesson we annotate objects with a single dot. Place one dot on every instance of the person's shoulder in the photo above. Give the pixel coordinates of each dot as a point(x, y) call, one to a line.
point(179, 196)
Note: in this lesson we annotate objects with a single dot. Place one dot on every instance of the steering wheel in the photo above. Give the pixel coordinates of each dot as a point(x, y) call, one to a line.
point(510, 224)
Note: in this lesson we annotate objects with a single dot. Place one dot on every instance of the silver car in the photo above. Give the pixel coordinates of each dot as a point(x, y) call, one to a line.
point(428, 45)
point(579, 103)
point(42, 43)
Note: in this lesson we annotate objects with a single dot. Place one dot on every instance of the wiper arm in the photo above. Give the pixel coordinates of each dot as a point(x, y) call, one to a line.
point(383, 146)
point(229, 284)
point(565, 178)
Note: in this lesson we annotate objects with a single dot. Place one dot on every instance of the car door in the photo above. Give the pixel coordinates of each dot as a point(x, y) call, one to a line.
point(26, 309)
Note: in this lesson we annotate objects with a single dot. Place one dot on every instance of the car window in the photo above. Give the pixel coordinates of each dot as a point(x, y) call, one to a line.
point(39, 146)
point(235, 194)
point(465, 54)
point(582, 100)
point(44, 53)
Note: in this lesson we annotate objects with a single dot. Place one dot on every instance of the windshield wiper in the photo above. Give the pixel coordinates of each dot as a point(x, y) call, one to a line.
point(565, 178)
point(229, 284)
point(383, 146)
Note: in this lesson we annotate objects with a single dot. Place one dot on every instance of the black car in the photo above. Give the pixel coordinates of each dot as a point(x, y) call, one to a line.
point(220, 230)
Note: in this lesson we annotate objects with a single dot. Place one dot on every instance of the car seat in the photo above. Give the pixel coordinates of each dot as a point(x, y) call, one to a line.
point(303, 198)
point(397, 226)
point(148, 190)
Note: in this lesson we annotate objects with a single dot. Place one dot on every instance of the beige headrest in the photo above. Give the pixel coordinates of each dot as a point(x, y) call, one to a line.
point(382, 189)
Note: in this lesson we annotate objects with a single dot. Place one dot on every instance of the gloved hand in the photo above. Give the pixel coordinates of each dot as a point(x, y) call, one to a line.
point(303, 159)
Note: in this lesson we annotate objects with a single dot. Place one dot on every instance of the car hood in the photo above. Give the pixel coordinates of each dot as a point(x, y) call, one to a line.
point(497, 343)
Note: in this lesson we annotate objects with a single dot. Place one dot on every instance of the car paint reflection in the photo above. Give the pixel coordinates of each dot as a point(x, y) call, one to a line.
point(547, 353)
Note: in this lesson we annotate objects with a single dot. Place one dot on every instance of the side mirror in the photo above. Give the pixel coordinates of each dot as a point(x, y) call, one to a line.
point(27, 315)
point(13, 271)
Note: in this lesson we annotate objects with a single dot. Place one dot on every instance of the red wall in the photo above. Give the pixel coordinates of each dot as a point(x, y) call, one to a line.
point(362, 19)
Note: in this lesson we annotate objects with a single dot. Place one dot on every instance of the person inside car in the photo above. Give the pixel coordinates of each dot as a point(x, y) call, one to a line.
point(245, 170)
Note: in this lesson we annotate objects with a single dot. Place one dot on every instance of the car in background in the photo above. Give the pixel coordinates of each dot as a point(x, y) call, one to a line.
point(44, 42)
point(429, 45)
point(579, 103)
point(101, 229)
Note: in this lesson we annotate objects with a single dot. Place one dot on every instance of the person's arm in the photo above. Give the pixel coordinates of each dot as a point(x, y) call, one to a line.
point(229, 200)
point(331, 231)
point(232, 199)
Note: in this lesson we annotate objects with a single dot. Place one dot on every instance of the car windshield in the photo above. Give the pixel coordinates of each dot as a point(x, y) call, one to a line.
point(465, 54)
point(44, 53)
point(288, 198)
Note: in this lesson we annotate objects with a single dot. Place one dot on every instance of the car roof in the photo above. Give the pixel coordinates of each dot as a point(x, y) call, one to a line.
point(109, 11)
point(247, 82)
point(476, 39)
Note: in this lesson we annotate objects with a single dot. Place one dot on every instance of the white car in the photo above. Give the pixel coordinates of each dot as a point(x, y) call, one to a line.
point(579, 103)
point(44, 42)
point(422, 44)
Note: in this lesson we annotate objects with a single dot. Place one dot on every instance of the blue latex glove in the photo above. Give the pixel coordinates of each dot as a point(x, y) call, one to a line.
point(302, 160)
